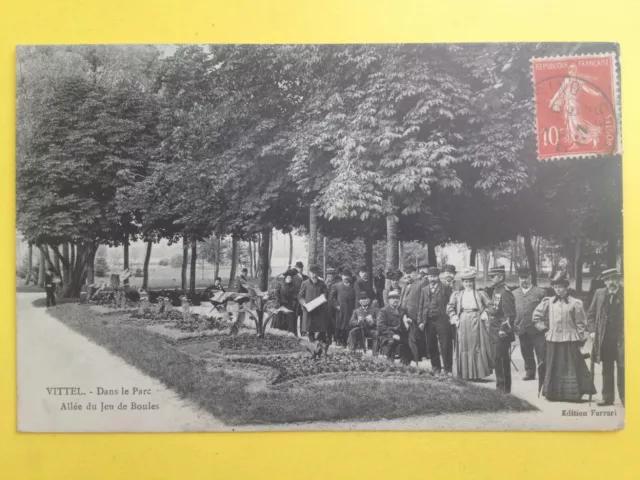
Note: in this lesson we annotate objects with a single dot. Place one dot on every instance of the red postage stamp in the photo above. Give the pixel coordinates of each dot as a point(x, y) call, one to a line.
point(577, 106)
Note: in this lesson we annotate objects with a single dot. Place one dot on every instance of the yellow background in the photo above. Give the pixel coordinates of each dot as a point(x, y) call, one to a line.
point(316, 455)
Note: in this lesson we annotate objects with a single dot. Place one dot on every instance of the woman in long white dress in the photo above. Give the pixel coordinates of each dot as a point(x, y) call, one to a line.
point(466, 311)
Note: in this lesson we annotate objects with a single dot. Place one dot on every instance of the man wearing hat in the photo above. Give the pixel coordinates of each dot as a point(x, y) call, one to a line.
point(297, 283)
point(450, 278)
point(393, 334)
point(393, 276)
point(605, 322)
point(502, 315)
point(527, 297)
point(330, 280)
point(379, 282)
point(423, 271)
point(317, 320)
point(363, 323)
point(410, 301)
point(433, 321)
point(50, 287)
point(362, 284)
point(343, 300)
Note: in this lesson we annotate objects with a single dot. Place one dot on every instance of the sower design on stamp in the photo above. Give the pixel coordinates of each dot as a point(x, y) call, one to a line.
point(576, 105)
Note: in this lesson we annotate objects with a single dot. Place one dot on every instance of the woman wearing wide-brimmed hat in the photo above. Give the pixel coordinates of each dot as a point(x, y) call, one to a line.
point(466, 310)
point(563, 319)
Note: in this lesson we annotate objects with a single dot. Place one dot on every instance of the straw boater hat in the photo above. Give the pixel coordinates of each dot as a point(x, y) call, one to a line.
point(393, 294)
point(468, 273)
point(611, 272)
point(560, 278)
point(331, 271)
point(499, 270)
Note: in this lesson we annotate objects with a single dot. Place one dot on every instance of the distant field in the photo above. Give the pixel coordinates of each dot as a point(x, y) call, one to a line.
point(169, 277)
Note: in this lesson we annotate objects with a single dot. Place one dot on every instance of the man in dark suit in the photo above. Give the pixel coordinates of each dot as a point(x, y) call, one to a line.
point(527, 297)
point(410, 300)
point(605, 322)
point(316, 321)
point(393, 334)
point(297, 283)
point(363, 285)
point(502, 315)
point(343, 299)
point(433, 321)
point(50, 287)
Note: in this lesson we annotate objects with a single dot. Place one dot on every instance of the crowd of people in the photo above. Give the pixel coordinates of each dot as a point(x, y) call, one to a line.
point(415, 314)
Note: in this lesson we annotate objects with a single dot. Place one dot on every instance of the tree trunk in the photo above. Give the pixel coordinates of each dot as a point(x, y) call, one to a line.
point(30, 271)
point(72, 254)
point(194, 265)
point(65, 268)
point(218, 253)
point(473, 256)
point(42, 267)
point(145, 268)
point(324, 257)
point(531, 258)
point(432, 258)
point(185, 261)
point(400, 255)
point(56, 262)
point(270, 251)
point(538, 257)
point(486, 258)
point(290, 249)
point(251, 272)
point(256, 254)
point(78, 274)
point(368, 258)
point(313, 235)
point(264, 259)
point(570, 248)
point(89, 265)
point(393, 250)
point(125, 247)
point(511, 258)
point(234, 260)
point(612, 251)
point(578, 264)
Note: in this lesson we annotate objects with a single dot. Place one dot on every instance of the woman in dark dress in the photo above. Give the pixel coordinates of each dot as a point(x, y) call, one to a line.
point(563, 319)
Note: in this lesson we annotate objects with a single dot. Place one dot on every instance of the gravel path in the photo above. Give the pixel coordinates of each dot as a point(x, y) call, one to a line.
point(52, 355)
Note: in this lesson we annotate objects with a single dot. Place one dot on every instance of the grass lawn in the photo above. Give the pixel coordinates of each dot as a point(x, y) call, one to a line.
point(233, 398)
point(29, 289)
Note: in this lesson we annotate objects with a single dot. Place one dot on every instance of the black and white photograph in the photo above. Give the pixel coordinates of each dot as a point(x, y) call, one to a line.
point(327, 237)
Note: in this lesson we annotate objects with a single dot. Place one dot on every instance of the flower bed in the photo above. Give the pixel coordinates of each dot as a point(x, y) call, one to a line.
point(292, 368)
point(178, 320)
point(250, 342)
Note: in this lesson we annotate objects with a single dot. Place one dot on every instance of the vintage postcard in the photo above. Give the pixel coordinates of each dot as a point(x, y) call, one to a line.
point(319, 237)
